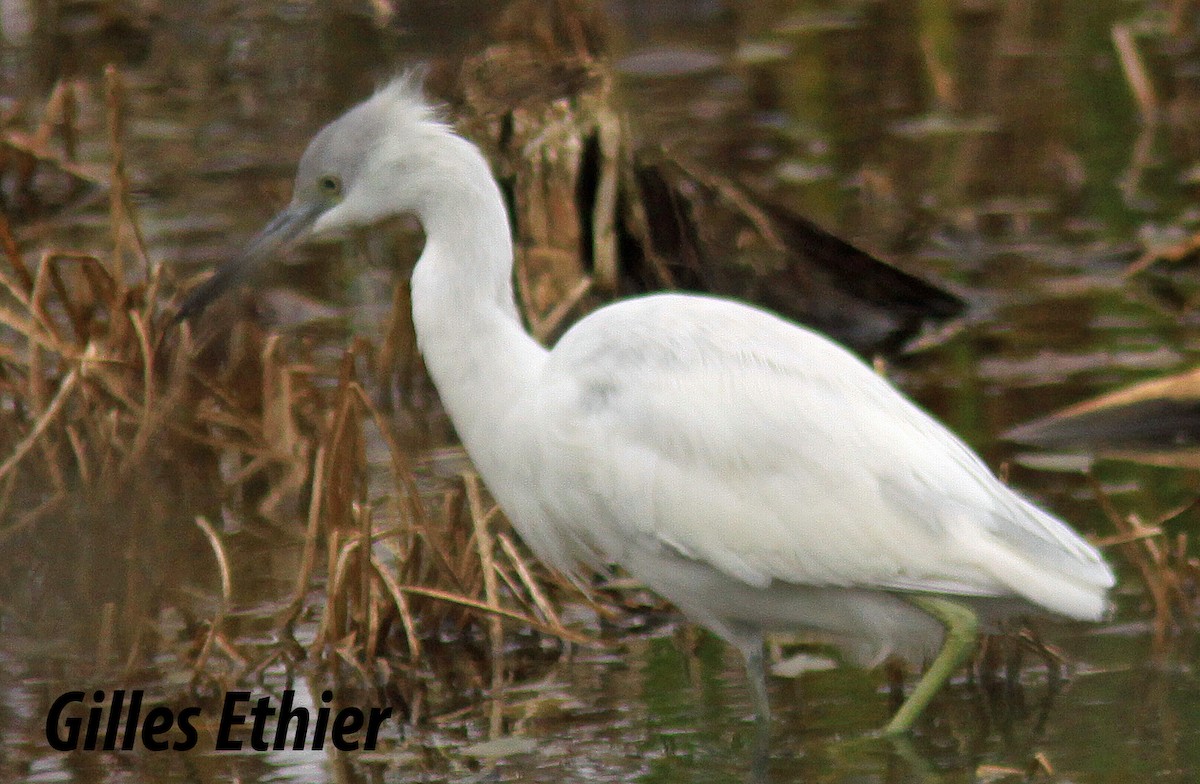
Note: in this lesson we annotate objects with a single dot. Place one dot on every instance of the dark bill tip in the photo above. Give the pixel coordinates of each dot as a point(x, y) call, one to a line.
point(283, 229)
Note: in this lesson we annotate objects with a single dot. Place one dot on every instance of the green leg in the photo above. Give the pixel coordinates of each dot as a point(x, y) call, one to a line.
point(962, 628)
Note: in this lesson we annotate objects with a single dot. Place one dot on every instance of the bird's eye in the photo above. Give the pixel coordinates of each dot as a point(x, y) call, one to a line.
point(330, 185)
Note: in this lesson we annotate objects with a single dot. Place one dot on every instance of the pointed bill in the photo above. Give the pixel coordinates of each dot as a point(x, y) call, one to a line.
point(283, 229)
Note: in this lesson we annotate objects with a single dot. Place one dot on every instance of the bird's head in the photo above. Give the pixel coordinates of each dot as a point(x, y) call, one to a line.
point(375, 161)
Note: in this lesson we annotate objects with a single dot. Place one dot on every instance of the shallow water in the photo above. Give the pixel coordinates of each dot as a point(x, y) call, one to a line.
point(1012, 185)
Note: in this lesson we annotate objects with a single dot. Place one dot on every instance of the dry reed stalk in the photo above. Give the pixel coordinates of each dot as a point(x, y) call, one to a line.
point(398, 348)
point(58, 113)
point(24, 280)
point(488, 610)
point(1052, 656)
point(151, 413)
point(333, 619)
point(535, 592)
point(240, 662)
point(43, 422)
point(547, 326)
point(1127, 537)
point(345, 460)
point(347, 524)
point(288, 462)
point(367, 586)
point(218, 619)
point(511, 585)
point(401, 600)
point(402, 469)
point(483, 539)
point(1161, 567)
point(120, 207)
point(1136, 73)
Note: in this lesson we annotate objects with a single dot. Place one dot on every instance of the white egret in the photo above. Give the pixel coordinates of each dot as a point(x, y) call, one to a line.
point(751, 471)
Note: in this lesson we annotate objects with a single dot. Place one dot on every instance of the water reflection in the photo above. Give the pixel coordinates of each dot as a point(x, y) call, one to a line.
point(980, 142)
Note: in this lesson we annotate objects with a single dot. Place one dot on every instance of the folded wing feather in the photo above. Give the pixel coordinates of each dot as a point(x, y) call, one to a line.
point(735, 438)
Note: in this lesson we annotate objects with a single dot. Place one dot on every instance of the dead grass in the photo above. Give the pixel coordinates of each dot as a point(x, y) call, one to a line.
point(128, 443)
point(1169, 573)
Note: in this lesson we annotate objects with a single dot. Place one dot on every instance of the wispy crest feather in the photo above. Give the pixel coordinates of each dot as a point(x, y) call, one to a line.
point(406, 102)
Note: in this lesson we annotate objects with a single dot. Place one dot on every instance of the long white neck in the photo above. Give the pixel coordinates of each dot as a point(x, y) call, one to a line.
point(468, 329)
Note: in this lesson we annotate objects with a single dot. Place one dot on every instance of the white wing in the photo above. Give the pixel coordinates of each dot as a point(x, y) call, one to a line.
point(735, 438)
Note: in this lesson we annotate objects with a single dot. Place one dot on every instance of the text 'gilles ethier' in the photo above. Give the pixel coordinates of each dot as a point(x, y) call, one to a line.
point(122, 722)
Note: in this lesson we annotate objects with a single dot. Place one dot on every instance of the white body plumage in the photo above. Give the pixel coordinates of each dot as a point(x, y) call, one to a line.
point(752, 471)
point(748, 469)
